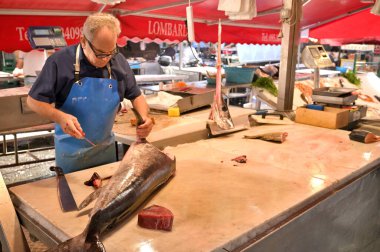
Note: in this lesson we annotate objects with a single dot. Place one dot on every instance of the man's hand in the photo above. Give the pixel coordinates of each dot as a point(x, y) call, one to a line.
point(70, 125)
point(144, 129)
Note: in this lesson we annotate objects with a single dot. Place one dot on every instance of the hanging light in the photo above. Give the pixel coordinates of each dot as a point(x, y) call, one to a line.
point(109, 2)
point(376, 8)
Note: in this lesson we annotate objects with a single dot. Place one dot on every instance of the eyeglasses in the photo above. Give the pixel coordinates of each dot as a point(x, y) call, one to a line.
point(102, 55)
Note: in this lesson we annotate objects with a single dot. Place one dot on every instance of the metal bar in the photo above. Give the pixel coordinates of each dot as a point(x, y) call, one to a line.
point(32, 150)
point(44, 12)
point(102, 8)
point(289, 48)
point(158, 7)
point(27, 162)
point(180, 55)
point(274, 27)
point(4, 145)
point(316, 77)
point(32, 155)
point(15, 147)
point(259, 14)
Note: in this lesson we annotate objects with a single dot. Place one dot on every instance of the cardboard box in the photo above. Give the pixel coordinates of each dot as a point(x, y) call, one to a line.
point(332, 118)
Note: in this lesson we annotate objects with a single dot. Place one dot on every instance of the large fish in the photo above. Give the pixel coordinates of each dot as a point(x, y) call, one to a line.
point(143, 169)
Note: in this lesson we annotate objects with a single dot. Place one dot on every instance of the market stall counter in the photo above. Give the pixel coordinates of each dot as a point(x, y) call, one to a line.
point(170, 131)
point(218, 204)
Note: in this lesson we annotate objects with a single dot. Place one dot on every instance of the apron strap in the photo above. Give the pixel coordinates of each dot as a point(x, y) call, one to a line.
point(109, 70)
point(77, 66)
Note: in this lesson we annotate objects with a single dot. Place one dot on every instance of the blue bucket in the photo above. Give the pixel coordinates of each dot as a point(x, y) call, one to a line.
point(239, 75)
point(341, 69)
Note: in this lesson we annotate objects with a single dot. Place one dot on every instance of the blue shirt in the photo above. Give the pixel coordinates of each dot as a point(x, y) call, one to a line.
point(54, 83)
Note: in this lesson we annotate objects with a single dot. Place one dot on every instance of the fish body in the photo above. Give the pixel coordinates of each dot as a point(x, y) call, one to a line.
point(143, 169)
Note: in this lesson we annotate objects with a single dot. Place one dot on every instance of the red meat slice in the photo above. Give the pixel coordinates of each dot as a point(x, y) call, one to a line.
point(156, 217)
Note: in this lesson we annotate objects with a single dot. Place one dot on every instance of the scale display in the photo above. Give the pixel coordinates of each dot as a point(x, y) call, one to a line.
point(46, 37)
point(315, 56)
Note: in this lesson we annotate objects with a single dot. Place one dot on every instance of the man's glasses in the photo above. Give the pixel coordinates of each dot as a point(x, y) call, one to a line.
point(102, 55)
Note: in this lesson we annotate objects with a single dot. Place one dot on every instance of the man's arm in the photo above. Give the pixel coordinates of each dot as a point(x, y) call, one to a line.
point(142, 107)
point(68, 123)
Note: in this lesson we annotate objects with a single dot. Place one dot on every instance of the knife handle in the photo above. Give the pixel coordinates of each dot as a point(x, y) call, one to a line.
point(58, 170)
point(138, 117)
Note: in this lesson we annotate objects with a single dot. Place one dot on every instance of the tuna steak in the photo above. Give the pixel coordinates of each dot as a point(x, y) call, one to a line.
point(143, 169)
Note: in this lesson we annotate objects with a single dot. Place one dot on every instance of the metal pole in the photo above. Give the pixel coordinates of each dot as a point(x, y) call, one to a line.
point(316, 77)
point(355, 59)
point(289, 48)
point(180, 55)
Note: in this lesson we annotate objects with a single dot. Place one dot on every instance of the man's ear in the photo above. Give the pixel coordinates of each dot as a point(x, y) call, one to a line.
point(83, 41)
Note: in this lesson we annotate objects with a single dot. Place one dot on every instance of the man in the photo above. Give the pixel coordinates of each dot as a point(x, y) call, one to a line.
point(170, 51)
point(86, 82)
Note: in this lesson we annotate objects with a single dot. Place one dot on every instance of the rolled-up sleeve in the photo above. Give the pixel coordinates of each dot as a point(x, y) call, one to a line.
point(132, 91)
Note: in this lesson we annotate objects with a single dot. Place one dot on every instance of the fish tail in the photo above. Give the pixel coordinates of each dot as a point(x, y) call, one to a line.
point(73, 244)
point(95, 246)
point(79, 244)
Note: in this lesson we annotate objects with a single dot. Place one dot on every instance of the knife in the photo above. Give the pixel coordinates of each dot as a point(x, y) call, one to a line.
point(65, 196)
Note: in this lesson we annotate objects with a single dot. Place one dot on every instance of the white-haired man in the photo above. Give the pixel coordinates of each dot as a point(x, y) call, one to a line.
point(86, 83)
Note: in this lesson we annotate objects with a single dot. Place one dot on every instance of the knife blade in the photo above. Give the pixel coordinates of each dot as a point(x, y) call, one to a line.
point(65, 196)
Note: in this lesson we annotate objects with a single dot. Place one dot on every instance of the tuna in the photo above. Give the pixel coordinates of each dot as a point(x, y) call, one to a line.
point(143, 170)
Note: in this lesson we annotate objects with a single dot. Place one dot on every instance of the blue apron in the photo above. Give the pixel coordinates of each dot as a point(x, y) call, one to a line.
point(94, 102)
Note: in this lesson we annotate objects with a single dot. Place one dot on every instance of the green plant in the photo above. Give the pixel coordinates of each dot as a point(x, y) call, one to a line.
point(267, 84)
point(351, 77)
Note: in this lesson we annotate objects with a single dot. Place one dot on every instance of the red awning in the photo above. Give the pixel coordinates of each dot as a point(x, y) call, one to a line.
point(173, 30)
point(13, 34)
point(158, 19)
point(357, 28)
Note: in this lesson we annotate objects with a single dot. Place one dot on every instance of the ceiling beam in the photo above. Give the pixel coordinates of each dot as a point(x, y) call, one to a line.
point(335, 18)
point(157, 7)
point(27, 12)
point(198, 20)
point(259, 14)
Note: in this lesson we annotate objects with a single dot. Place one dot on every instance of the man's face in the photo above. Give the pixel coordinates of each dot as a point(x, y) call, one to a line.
point(100, 50)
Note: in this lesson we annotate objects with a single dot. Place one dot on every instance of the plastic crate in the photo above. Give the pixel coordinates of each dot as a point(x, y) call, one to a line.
point(237, 75)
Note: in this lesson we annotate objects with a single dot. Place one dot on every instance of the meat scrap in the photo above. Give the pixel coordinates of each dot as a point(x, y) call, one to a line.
point(156, 217)
point(240, 159)
point(95, 181)
point(364, 136)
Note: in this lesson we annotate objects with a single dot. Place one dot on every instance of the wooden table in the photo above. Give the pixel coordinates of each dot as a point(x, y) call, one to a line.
point(219, 205)
point(169, 131)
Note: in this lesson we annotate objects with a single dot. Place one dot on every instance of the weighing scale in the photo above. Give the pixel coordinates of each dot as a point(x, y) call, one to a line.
point(44, 40)
point(341, 98)
point(315, 56)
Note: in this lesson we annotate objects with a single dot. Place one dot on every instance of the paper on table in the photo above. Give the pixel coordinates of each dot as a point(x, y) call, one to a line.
point(162, 101)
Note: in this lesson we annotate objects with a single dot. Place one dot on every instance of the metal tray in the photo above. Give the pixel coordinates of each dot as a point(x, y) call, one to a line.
point(346, 100)
point(333, 91)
